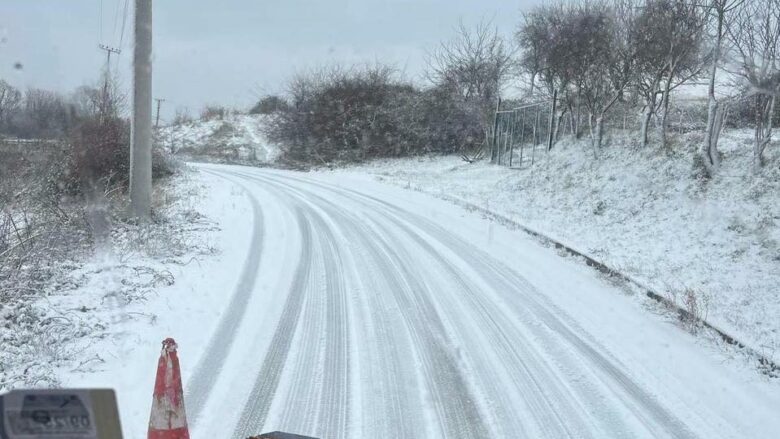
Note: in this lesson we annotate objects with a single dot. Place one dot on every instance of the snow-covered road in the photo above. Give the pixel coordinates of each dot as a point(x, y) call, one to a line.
point(364, 310)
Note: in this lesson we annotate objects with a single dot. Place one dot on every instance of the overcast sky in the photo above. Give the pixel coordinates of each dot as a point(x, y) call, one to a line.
point(228, 51)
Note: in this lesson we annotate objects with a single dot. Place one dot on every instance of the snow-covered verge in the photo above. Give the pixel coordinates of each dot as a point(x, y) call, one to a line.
point(234, 138)
point(644, 212)
point(99, 322)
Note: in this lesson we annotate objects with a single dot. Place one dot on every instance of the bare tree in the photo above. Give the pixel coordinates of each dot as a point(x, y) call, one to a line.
point(46, 114)
point(555, 43)
point(669, 35)
point(755, 34)
point(473, 66)
point(106, 100)
point(543, 56)
point(584, 52)
point(474, 63)
point(716, 111)
point(531, 36)
point(10, 98)
point(611, 59)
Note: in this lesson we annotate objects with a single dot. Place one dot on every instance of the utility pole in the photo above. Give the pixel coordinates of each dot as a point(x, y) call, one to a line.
point(157, 119)
point(109, 50)
point(141, 134)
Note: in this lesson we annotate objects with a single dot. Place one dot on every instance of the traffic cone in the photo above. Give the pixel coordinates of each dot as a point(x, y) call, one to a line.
point(168, 419)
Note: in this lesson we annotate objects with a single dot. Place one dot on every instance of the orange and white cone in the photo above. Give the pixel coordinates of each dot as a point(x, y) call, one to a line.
point(168, 419)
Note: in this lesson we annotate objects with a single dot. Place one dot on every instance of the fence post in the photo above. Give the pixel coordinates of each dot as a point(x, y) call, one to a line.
point(536, 138)
point(499, 140)
point(512, 138)
point(551, 134)
point(522, 136)
point(494, 144)
point(681, 123)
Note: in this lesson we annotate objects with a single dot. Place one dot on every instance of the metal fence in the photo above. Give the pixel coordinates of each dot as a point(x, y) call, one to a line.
point(518, 132)
point(525, 129)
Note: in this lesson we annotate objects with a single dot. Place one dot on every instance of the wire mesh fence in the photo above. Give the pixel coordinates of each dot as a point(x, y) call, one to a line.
point(520, 131)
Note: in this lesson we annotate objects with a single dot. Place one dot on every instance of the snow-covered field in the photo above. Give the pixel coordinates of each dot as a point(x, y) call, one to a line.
point(236, 137)
point(644, 213)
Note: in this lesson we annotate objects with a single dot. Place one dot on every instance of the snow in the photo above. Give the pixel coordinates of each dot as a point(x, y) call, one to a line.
point(236, 137)
point(126, 300)
point(336, 305)
point(644, 213)
point(412, 294)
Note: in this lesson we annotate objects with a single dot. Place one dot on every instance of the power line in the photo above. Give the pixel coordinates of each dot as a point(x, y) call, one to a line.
point(100, 20)
point(124, 21)
point(116, 19)
point(113, 38)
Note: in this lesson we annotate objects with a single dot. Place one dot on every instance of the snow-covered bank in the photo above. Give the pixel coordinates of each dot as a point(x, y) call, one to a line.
point(644, 213)
point(236, 137)
point(111, 313)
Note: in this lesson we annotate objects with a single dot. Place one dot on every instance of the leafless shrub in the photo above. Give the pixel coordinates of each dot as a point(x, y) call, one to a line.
point(182, 117)
point(100, 154)
point(269, 104)
point(213, 112)
point(696, 306)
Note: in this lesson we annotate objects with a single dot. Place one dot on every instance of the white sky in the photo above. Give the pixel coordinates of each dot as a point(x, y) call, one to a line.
point(228, 51)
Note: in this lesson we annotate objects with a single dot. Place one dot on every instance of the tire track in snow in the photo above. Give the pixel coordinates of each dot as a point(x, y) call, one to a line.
point(456, 408)
point(503, 279)
point(545, 410)
point(551, 327)
point(264, 389)
point(210, 364)
point(332, 421)
point(397, 408)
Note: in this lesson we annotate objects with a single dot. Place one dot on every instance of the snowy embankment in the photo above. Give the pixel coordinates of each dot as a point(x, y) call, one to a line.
point(100, 324)
point(644, 213)
point(236, 137)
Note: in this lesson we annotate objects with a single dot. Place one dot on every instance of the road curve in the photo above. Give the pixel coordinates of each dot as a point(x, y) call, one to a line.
point(391, 324)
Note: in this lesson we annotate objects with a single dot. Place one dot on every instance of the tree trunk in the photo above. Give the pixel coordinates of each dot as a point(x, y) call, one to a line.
point(758, 136)
point(595, 133)
point(559, 125)
point(764, 113)
point(571, 121)
point(578, 124)
point(599, 131)
point(715, 117)
point(646, 122)
point(715, 113)
point(665, 112)
point(493, 144)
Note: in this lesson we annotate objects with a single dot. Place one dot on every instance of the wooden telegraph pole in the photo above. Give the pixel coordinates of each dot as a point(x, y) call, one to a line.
point(104, 98)
point(157, 119)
